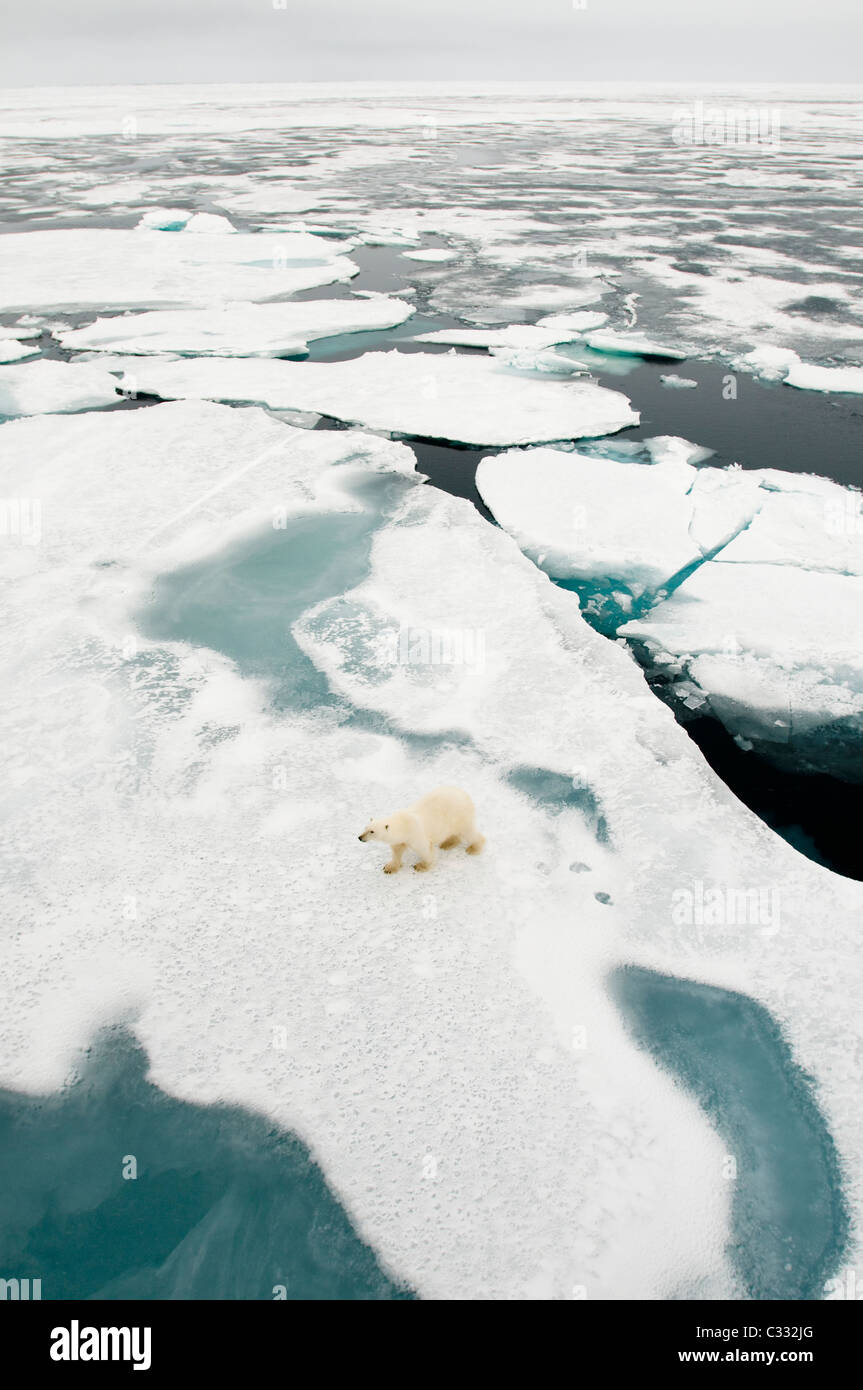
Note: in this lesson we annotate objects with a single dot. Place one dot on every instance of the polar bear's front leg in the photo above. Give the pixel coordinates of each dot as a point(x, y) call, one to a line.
point(396, 862)
point(419, 842)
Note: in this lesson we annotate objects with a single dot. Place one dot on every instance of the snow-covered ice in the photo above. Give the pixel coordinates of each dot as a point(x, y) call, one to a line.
point(576, 324)
point(204, 223)
point(809, 377)
point(519, 335)
point(245, 851)
point(12, 350)
point(165, 219)
point(429, 1022)
point(770, 363)
point(762, 570)
point(470, 400)
point(778, 651)
point(631, 344)
point(42, 387)
point(103, 268)
point(238, 330)
point(434, 255)
point(629, 525)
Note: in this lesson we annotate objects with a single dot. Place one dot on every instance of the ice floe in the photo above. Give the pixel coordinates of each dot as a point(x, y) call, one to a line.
point(203, 223)
point(12, 350)
point(631, 344)
point(573, 323)
point(628, 526)
point(433, 255)
point(498, 705)
point(495, 969)
point(128, 191)
point(101, 268)
point(692, 563)
point(670, 448)
point(778, 652)
point(769, 363)
point(678, 383)
point(519, 335)
point(165, 219)
point(529, 360)
point(808, 377)
point(238, 330)
point(784, 364)
point(45, 387)
point(466, 399)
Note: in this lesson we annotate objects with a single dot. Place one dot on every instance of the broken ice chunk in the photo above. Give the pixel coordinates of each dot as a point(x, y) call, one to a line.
point(678, 383)
point(791, 678)
point(434, 254)
point(164, 219)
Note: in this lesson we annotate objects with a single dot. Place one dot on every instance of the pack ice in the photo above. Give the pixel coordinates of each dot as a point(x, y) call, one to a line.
point(470, 400)
point(426, 1051)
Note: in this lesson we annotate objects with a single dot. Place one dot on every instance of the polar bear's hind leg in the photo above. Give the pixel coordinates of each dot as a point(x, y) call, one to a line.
point(475, 841)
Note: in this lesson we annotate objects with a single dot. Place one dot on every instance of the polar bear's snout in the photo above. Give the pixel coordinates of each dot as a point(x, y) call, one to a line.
point(364, 836)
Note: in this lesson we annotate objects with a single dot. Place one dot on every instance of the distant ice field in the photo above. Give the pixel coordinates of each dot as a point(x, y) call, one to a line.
point(572, 196)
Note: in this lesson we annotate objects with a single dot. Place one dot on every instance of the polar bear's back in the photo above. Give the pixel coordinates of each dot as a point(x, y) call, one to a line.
point(445, 811)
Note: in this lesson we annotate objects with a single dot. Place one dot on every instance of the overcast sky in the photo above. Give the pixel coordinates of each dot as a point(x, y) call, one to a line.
point(97, 41)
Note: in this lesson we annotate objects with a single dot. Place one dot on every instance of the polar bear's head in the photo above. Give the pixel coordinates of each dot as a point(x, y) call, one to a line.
point(385, 829)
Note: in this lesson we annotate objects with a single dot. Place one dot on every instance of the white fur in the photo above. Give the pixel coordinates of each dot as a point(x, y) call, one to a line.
point(441, 819)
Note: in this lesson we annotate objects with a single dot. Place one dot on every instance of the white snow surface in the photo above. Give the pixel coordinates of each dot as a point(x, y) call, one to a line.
point(98, 268)
point(46, 387)
point(631, 344)
point(430, 1022)
point(471, 400)
point(808, 377)
point(636, 525)
point(12, 350)
point(237, 330)
point(767, 625)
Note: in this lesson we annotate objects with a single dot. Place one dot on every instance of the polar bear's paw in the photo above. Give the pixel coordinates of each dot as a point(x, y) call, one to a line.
point(421, 866)
point(475, 847)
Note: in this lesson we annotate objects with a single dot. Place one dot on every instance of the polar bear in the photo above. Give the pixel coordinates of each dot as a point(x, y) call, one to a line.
point(436, 821)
